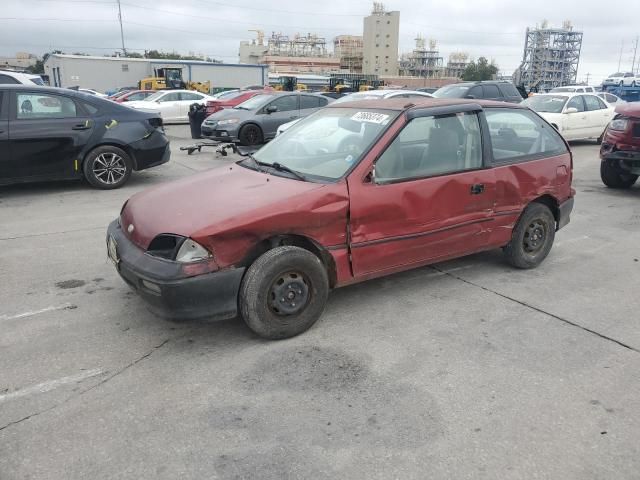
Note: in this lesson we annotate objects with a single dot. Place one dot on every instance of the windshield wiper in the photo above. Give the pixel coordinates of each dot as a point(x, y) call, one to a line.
point(257, 163)
point(284, 168)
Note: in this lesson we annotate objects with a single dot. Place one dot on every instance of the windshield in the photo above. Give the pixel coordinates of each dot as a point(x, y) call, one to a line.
point(452, 91)
point(618, 74)
point(254, 102)
point(155, 96)
point(546, 103)
point(328, 143)
point(228, 94)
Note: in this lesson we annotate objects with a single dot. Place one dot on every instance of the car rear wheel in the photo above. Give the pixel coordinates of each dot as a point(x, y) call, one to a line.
point(612, 177)
point(250, 135)
point(107, 167)
point(532, 238)
point(283, 292)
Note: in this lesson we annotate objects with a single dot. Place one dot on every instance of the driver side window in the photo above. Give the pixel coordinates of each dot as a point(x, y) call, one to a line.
point(285, 103)
point(171, 97)
point(576, 102)
point(430, 146)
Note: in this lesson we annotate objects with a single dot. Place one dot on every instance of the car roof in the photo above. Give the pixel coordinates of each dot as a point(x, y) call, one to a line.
point(18, 75)
point(402, 104)
point(565, 94)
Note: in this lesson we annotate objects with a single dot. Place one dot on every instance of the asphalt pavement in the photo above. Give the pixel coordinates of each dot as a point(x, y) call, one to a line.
point(466, 370)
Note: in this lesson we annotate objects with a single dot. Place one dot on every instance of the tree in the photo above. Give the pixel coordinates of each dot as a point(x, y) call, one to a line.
point(38, 68)
point(482, 70)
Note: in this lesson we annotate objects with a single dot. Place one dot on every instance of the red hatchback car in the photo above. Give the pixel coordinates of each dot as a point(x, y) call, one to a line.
point(620, 150)
point(355, 191)
point(230, 100)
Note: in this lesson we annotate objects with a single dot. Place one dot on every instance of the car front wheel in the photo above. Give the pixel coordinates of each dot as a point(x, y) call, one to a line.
point(107, 167)
point(532, 238)
point(283, 292)
point(612, 177)
point(250, 135)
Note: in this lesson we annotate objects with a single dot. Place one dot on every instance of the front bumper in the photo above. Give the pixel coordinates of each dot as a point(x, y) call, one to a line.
point(564, 212)
point(167, 291)
point(609, 152)
point(219, 134)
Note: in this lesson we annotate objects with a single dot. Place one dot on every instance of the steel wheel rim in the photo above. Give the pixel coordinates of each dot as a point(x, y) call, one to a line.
point(535, 236)
point(289, 294)
point(109, 168)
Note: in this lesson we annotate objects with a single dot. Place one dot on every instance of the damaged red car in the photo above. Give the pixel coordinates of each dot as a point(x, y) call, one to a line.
point(353, 192)
point(620, 149)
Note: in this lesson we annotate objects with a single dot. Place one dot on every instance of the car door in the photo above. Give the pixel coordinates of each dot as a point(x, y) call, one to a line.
point(282, 109)
point(598, 114)
point(428, 197)
point(186, 100)
point(5, 158)
point(575, 124)
point(170, 107)
point(47, 134)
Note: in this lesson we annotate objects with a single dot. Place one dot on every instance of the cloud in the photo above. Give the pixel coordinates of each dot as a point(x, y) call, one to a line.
point(490, 28)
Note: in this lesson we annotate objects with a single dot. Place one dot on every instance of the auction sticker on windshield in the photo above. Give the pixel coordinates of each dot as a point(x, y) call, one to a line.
point(370, 117)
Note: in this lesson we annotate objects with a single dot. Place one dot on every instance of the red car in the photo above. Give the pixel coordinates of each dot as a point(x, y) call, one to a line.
point(133, 95)
point(230, 99)
point(620, 150)
point(355, 191)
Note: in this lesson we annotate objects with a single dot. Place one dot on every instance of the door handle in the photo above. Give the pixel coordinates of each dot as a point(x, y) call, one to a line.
point(477, 188)
point(82, 126)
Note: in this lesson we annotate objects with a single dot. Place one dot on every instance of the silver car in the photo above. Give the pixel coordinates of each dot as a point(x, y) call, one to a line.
point(256, 120)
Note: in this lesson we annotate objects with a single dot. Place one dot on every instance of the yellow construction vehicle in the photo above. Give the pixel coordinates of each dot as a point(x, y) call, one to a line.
point(171, 78)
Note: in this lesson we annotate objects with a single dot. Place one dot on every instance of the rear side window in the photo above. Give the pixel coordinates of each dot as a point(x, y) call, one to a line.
point(190, 96)
point(518, 135)
point(309, 102)
point(491, 91)
point(7, 80)
point(509, 90)
point(593, 103)
point(35, 106)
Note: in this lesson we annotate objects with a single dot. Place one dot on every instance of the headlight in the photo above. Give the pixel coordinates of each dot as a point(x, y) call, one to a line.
point(191, 251)
point(619, 124)
point(229, 121)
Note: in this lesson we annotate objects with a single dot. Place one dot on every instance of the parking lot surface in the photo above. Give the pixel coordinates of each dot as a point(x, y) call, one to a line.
point(468, 369)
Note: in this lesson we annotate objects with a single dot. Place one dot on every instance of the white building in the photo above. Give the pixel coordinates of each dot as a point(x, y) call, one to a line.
point(381, 34)
point(111, 73)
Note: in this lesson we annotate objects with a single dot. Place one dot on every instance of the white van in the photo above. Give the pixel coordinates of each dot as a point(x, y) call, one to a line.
point(8, 77)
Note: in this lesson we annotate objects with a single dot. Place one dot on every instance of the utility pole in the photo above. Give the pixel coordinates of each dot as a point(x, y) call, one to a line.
point(635, 51)
point(620, 59)
point(124, 50)
point(588, 75)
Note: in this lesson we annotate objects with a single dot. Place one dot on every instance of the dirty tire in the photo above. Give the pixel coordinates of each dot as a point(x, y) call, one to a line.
point(251, 135)
point(532, 237)
point(613, 178)
point(107, 167)
point(287, 273)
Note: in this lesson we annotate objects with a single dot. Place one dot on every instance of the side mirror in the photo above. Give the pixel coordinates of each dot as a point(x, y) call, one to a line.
point(371, 176)
point(271, 109)
point(571, 110)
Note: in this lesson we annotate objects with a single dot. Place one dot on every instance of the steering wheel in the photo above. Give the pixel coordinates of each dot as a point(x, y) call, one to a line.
point(351, 144)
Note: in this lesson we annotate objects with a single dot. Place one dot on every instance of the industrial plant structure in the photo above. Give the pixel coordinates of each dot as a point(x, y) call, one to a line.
point(381, 36)
point(551, 57)
point(423, 61)
point(457, 64)
point(349, 49)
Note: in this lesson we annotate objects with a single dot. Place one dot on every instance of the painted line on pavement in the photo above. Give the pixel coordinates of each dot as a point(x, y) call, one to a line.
point(66, 306)
point(50, 385)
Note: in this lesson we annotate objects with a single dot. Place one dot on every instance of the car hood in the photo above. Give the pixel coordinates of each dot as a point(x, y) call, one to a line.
point(630, 109)
point(207, 203)
point(231, 113)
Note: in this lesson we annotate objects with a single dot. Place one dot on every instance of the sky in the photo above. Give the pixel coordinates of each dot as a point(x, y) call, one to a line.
point(491, 28)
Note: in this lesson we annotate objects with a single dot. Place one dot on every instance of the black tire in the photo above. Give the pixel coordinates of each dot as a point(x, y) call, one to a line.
point(107, 167)
point(263, 304)
point(251, 135)
point(612, 177)
point(532, 238)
